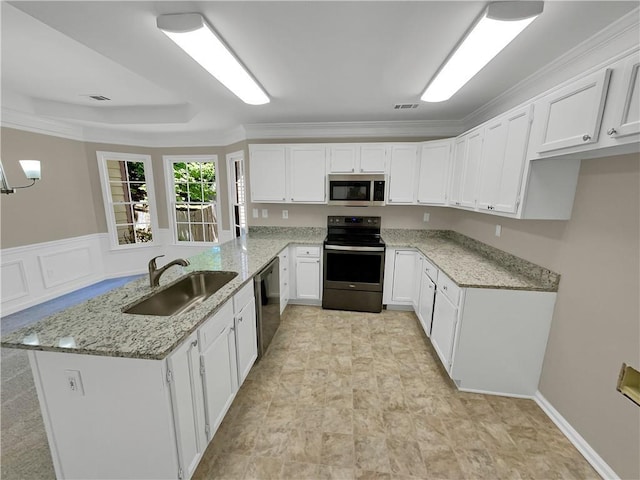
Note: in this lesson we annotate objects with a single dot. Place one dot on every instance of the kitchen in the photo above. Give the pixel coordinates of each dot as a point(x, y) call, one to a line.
point(606, 189)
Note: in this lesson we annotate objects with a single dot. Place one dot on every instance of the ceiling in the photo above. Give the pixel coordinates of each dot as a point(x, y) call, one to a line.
point(320, 61)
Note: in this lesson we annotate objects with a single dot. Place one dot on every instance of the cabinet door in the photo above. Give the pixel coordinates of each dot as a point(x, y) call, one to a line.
point(572, 115)
point(427, 299)
point(503, 156)
point(457, 169)
point(268, 173)
point(402, 174)
point(403, 276)
point(308, 278)
point(468, 191)
point(435, 158)
point(187, 400)
point(443, 329)
point(627, 107)
point(417, 273)
point(220, 377)
point(246, 340)
point(373, 158)
point(343, 158)
point(308, 173)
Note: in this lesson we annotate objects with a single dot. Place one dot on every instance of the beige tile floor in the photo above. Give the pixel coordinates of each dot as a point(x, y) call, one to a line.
point(350, 395)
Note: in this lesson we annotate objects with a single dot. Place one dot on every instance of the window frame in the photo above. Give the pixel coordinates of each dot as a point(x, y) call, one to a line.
point(168, 161)
point(103, 157)
point(232, 158)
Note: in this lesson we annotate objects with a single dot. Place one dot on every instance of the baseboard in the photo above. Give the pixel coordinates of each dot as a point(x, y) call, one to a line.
point(486, 392)
point(596, 461)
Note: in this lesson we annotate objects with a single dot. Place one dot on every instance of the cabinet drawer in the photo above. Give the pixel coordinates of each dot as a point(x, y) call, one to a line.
point(308, 251)
point(449, 288)
point(244, 296)
point(430, 269)
point(213, 327)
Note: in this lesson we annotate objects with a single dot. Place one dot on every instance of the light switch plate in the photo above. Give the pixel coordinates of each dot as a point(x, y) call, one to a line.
point(256, 214)
point(74, 382)
point(498, 230)
point(265, 213)
point(426, 217)
point(285, 213)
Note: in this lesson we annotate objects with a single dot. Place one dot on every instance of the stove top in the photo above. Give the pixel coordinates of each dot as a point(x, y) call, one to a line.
point(354, 231)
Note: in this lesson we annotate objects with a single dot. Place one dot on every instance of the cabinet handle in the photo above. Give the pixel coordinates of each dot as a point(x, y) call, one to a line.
point(612, 131)
point(194, 343)
point(444, 287)
point(283, 199)
point(353, 169)
point(586, 137)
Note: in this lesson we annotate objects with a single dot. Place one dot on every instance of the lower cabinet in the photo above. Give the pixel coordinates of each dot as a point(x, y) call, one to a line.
point(246, 339)
point(426, 300)
point(443, 331)
point(308, 275)
point(285, 281)
point(399, 270)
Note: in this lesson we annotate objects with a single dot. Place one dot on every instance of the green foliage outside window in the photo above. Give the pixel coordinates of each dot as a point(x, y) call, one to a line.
point(195, 182)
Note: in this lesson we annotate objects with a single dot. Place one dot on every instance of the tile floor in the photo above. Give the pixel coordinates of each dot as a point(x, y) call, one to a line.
point(349, 395)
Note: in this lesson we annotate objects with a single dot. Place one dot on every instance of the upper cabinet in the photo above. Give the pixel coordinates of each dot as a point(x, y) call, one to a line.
point(624, 117)
point(287, 173)
point(268, 173)
point(402, 174)
point(466, 163)
point(435, 159)
point(357, 158)
point(502, 164)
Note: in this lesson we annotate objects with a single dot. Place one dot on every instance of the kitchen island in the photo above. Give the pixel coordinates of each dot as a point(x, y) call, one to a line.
point(139, 396)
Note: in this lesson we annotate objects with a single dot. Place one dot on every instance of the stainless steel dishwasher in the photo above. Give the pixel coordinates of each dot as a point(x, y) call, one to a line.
point(267, 293)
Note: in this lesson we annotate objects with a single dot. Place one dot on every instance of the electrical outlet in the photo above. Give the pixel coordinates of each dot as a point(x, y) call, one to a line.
point(285, 213)
point(256, 214)
point(265, 213)
point(74, 382)
point(426, 217)
point(498, 230)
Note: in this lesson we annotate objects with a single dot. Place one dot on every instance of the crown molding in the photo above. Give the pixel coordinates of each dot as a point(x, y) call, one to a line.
point(417, 128)
point(616, 37)
point(11, 118)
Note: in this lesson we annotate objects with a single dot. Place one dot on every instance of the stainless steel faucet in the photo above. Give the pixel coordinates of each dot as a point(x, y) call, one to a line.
point(155, 272)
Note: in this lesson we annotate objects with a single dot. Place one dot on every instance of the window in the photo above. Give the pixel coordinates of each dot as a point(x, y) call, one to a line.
point(194, 211)
point(237, 197)
point(127, 190)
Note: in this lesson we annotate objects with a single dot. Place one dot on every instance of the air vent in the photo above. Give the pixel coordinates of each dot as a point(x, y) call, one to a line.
point(405, 106)
point(99, 98)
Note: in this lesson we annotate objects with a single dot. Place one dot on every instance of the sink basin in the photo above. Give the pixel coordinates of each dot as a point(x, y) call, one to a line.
point(185, 294)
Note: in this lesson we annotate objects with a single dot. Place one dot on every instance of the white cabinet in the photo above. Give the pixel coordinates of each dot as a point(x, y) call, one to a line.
point(268, 173)
point(466, 163)
point(435, 158)
point(188, 404)
point(426, 301)
point(623, 116)
point(417, 273)
point(403, 276)
point(218, 366)
point(307, 173)
point(357, 158)
point(503, 157)
point(402, 174)
point(443, 329)
point(457, 169)
point(307, 273)
point(283, 260)
point(246, 330)
point(571, 115)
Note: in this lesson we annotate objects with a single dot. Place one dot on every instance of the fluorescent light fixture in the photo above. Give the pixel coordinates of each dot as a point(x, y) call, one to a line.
point(500, 23)
point(192, 33)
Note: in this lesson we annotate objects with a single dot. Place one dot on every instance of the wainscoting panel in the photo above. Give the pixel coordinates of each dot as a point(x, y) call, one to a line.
point(66, 266)
point(14, 281)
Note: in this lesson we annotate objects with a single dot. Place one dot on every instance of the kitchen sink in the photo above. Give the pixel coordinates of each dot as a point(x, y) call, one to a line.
point(185, 294)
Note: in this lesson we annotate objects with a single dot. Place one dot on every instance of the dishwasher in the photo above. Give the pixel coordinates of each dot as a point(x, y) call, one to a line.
point(267, 294)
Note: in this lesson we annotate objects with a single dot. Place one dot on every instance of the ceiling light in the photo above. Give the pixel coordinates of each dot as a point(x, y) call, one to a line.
point(192, 33)
point(31, 170)
point(500, 23)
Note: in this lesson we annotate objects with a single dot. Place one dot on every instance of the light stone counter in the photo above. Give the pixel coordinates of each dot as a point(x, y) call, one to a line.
point(98, 326)
point(473, 264)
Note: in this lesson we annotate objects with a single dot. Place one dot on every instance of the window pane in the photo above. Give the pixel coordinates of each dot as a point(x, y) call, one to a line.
point(135, 171)
point(181, 193)
point(122, 213)
point(116, 170)
point(141, 213)
point(209, 192)
point(208, 172)
point(195, 192)
point(209, 213)
point(125, 234)
point(183, 232)
point(119, 192)
point(195, 214)
point(138, 192)
point(180, 172)
point(143, 233)
point(211, 232)
point(198, 233)
point(182, 214)
point(194, 171)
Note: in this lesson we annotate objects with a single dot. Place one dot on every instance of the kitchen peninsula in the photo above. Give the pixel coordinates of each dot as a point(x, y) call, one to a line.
point(122, 395)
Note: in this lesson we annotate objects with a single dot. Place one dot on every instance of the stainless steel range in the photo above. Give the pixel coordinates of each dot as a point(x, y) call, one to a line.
point(353, 264)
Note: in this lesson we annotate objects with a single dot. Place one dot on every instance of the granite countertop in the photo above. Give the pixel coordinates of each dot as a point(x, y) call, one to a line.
point(98, 326)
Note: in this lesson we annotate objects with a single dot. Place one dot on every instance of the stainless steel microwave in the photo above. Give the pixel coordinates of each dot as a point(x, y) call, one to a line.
point(356, 190)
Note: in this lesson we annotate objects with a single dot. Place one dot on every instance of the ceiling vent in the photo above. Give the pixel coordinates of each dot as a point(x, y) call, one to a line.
point(99, 98)
point(405, 106)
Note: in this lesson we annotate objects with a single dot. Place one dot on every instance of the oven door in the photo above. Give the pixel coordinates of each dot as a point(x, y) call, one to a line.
point(353, 268)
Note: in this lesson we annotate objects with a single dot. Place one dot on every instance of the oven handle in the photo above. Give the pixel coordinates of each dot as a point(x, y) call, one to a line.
point(354, 249)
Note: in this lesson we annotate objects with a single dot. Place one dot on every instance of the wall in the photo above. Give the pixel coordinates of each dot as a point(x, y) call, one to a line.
point(61, 204)
point(596, 324)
